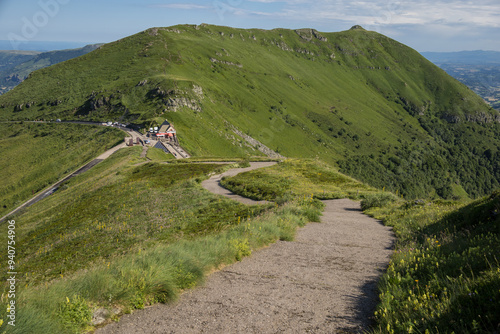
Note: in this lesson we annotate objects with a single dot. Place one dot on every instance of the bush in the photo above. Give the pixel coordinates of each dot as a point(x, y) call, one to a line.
point(241, 248)
point(75, 314)
point(377, 200)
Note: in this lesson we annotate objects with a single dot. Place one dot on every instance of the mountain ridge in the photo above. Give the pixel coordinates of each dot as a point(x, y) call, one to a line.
point(355, 98)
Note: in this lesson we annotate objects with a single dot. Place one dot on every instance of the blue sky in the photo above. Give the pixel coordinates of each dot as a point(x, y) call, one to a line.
point(426, 25)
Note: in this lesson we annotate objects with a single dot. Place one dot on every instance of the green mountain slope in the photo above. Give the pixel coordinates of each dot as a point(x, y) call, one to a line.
point(35, 156)
point(356, 98)
point(15, 66)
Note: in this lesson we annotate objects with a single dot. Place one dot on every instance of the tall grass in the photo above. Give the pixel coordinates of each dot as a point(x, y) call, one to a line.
point(151, 275)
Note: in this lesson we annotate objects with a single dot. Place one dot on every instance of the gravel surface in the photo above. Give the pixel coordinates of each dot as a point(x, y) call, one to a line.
point(213, 183)
point(323, 282)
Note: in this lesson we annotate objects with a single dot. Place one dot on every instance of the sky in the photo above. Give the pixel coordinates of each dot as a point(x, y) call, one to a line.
point(425, 25)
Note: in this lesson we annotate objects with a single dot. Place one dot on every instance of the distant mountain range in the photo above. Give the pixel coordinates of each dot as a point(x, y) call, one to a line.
point(478, 57)
point(15, 66)
point(40, 46)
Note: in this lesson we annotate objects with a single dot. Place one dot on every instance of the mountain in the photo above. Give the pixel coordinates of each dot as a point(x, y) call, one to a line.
point(356, 99)
point(15, 66)
point(479, 70)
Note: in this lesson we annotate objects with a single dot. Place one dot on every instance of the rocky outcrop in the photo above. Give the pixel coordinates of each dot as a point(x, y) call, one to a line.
point(174, 30)
point(357, 27)
point(258, 145)
point(174, 104)
point(98, 102)
point(198, 91)
point(451, 118)
point(483, 118)
point(19, 107)
point(218, 61)
point(310, 34)
point(177, 99)
point(478, 117)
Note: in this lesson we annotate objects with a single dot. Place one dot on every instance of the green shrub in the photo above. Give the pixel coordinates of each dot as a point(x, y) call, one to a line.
point(244, 164)
point(75, 314)
point(377, 200)
point(241, 248)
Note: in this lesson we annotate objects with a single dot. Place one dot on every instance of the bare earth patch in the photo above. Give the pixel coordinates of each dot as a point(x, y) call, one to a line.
point(323, 282)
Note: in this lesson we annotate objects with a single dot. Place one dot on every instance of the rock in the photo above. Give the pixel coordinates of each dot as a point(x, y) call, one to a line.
point(100, 316)
point(451, 118)
point(198, 91)
point(95, 104)
point(309, 34)
point(258, 145)
point(214, 60)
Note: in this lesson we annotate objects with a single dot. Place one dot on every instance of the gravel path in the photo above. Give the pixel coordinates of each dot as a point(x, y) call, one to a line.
point(213, 183)
point(323, 282)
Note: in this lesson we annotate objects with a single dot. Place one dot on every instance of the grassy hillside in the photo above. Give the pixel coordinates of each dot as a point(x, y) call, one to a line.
point(129, 233)
point(36, 155)
point(358, 99)
point(132, 232)
point(445, 274)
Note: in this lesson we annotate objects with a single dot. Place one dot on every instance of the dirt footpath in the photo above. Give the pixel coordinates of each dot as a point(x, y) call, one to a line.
point(213, 183)
point(323, 282)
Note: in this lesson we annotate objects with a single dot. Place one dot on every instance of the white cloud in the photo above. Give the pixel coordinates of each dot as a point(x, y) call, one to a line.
point(186, 6)
point(484, 13)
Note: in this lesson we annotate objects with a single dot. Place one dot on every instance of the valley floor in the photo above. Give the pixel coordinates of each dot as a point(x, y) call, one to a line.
point(323, 282)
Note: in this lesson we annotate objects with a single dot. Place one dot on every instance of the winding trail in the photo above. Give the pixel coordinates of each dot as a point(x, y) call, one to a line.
point(323, 282)
point(213, 183)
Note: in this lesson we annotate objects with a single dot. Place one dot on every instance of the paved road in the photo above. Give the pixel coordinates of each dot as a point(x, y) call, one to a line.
point(51, 189)
point(323, 282)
